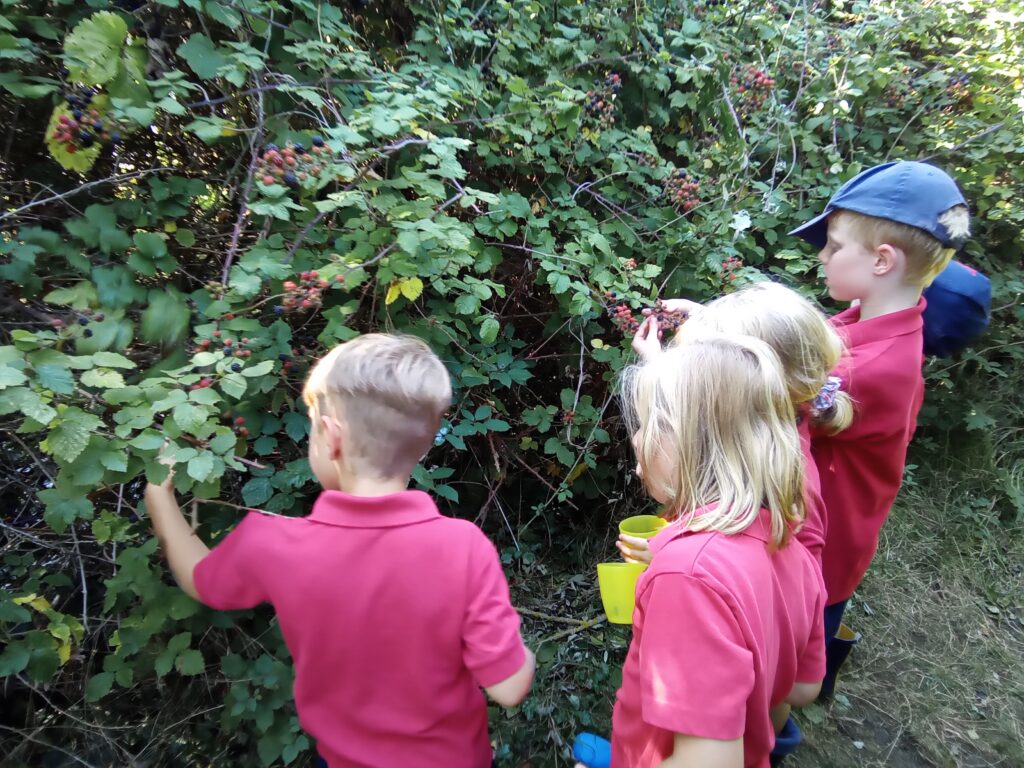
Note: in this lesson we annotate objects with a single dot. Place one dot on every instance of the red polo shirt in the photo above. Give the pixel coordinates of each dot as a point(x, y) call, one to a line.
point(861, 468)
point(812, 533)
point(395, 617)
point(722, 630)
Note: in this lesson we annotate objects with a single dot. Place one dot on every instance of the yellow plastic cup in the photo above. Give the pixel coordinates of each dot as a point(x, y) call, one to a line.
point(617, 582)
point(642, 526)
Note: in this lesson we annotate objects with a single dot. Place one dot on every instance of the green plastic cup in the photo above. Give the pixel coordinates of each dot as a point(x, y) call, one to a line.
point(617, 582)
point(642, 526)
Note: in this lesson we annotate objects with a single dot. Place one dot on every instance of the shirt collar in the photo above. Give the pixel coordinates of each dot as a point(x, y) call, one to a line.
point(760, 528)
point(857, 331)
point(395, 509)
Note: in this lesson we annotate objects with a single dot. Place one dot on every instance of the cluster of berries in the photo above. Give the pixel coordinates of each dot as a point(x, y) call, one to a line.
point(601, 99)
point(730, 267)
point(752, 87)
point(217, 289)
point(305, 294)
point(237, 423)
point(567, 416)
point(84, 126)
point(239, 349)
point(621, 314)
point(958, 89)
point(294, 165)
point(630, 264)
point(83, 320)
point(683, 191)
point(668, 320)
point(299, 356)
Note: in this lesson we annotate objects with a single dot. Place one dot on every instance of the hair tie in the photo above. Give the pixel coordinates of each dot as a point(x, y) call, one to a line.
point(826, 397)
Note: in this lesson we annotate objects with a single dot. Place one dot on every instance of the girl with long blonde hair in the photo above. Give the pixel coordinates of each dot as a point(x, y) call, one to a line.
point(727, 623)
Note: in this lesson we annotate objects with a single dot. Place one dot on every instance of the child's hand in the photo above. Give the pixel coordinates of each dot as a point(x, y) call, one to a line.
point(683, 307)
point(167, 461)
point(647, 341)
point(634, 549)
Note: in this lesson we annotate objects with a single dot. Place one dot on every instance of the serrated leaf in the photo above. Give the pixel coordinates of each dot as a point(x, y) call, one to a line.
point(56, 378)
point(22, 400)
point(99, 686)
point(201, 466)
point(102, 378)
point(92, 50)
point(233, 385)
point(112, 360)
point(68, 439)
point(411, 288)
point(189, 417)
point(151, 245)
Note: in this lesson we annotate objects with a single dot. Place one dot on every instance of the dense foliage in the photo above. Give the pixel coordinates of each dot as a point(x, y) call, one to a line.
point(199, 197)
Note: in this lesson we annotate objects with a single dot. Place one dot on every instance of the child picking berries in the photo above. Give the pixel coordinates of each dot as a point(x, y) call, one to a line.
point(395, 616)
point(727, 623)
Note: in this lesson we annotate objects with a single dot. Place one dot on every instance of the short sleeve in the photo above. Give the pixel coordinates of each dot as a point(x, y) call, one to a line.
point(696, 670)
point(229, 578)
point(492, 648)
point(810, 667)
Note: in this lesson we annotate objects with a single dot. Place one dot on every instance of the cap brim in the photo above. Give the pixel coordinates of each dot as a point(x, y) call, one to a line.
point(814, 231)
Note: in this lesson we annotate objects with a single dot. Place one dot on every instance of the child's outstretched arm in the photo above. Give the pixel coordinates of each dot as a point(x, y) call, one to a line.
point(182, 546)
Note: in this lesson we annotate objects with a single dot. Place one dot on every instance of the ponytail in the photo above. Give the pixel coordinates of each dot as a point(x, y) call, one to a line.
point(832, 408)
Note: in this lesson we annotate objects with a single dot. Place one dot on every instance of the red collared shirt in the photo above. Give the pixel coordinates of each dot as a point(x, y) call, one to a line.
point(861, 468)
point(723, 628)
point(812, 532)
point(395, 617)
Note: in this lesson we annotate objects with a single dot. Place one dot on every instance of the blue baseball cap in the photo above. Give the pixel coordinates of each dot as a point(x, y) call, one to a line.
point(957, 312)
point(912, 193)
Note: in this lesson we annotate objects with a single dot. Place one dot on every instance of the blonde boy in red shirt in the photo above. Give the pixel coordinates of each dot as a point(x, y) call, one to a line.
point(395, 616)
point(884, 237)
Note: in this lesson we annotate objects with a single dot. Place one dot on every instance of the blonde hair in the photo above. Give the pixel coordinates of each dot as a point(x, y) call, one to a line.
point(390, 391)
point(807, 345)
point(926, 256)
point(718, 408)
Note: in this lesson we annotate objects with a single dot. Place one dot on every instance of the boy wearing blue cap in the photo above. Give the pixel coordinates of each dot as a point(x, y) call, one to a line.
point(885, 236)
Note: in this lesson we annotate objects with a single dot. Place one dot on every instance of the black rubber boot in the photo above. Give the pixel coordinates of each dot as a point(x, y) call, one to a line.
point(836, 652)
point(786, 742)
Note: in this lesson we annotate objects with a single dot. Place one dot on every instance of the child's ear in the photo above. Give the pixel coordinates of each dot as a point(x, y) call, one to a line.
point(333, 433)
point(887, 258)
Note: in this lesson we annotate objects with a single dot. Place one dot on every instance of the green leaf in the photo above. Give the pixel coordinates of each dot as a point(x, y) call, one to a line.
point(10, 377)
point(489, 329)
point(112, 360)
point(93, 48)
point(151, 245)
point(260, 369)
point(202, 56)
point(257, 491)
point(201, 466)
point(99, 686)
point(102, 378)
point(63, 509)
point(69, 438)
point(14, 659)
point(233, 385)
point(189, 417)
point(190, 662)
point(55, 377)
point(22, 400)
point(165, 320)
